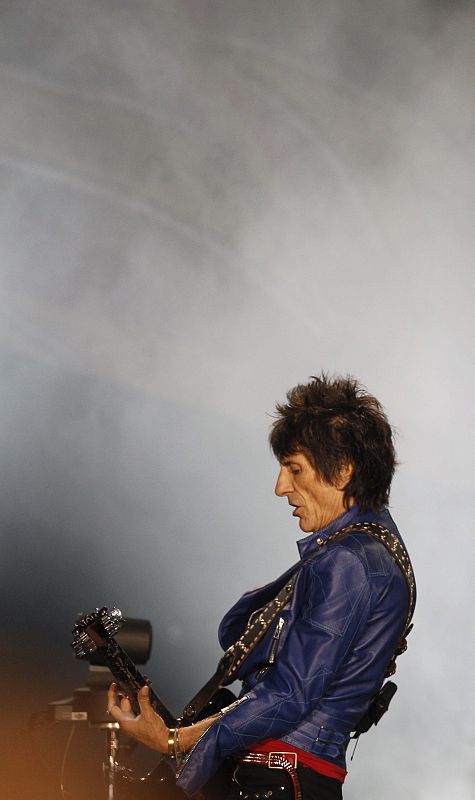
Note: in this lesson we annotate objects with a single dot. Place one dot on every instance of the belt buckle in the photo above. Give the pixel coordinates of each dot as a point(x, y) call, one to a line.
point(289, 756)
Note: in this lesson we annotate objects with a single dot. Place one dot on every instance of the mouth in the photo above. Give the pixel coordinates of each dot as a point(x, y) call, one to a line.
point(296, 510)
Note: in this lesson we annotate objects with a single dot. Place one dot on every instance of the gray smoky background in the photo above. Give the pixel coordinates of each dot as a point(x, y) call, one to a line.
point(204, 203)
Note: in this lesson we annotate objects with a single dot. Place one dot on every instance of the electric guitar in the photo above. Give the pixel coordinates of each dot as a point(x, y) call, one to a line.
point(95, 632)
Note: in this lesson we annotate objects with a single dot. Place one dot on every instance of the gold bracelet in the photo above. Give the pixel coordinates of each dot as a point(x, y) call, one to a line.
point(171, 742)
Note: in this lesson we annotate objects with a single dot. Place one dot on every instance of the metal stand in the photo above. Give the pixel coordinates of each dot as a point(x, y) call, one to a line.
point(110, 766)
point(88, 705)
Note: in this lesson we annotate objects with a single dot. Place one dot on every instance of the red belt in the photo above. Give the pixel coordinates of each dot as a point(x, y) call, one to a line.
point(277, 760)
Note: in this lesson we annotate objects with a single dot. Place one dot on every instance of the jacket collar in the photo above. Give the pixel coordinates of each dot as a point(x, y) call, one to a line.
point(309, 543)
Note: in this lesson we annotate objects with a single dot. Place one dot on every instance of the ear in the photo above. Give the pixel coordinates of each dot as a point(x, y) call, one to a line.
point(344, 476)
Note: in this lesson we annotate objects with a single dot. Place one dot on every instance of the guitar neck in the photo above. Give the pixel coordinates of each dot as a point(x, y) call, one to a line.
point(130, 680)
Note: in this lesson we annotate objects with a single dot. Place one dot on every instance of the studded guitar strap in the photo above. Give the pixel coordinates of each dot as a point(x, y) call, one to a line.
point(401, 557)
point(259, 623)
point(261, 620)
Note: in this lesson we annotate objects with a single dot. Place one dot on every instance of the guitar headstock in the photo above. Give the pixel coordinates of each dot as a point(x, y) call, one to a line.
point(95, 630)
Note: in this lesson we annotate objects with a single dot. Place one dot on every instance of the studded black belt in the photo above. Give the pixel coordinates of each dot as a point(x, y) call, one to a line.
point(277, 760)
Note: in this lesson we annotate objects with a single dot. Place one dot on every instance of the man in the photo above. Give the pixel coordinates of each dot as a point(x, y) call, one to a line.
point(311, 678)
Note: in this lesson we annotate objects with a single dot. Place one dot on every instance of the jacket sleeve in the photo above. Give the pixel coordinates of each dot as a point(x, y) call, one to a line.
point(334, 603)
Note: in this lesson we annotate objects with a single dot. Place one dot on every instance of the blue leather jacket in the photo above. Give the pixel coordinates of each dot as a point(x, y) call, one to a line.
point(337, 637)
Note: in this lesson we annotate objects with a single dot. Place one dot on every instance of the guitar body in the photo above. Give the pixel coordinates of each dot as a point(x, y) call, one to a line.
point(160, 785)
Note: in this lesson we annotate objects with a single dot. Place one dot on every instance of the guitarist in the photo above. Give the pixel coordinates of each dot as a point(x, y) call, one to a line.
point(309, 681)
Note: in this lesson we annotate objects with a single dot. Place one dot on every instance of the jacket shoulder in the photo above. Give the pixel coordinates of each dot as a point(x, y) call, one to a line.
point(372, 554)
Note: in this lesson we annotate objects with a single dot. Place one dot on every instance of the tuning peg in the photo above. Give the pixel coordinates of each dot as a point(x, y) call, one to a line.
point(113, 620)
point(83, 645)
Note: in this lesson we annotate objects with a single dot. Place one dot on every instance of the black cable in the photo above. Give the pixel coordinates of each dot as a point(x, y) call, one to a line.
point(63, 762)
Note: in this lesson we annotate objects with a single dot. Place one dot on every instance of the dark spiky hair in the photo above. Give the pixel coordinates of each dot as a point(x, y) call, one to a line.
point(336, 422)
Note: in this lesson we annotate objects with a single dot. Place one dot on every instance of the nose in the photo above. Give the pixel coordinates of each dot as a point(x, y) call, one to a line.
point(283, 485)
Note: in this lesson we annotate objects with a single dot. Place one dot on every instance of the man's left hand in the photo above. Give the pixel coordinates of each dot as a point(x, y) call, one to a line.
point(147, 727)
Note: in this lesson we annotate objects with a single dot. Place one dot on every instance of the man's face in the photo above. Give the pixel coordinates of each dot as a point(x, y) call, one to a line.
point(316, 503)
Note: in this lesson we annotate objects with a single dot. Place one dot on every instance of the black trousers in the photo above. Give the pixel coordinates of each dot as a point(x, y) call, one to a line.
point(257, 781)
